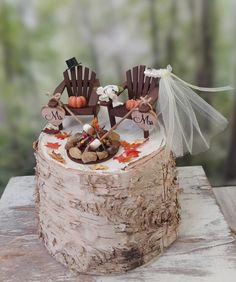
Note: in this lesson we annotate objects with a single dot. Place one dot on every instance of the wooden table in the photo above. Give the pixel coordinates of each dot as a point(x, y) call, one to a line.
point(205, 250)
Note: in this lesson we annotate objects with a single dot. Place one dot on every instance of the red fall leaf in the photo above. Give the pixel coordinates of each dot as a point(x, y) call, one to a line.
point(130, 151)
point(53, 145)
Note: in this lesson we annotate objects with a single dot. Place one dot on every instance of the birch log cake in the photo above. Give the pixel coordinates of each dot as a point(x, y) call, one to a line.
point(107, 200)
point(107, 217)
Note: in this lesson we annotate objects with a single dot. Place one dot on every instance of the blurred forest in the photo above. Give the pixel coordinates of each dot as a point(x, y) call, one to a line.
point(197, 37)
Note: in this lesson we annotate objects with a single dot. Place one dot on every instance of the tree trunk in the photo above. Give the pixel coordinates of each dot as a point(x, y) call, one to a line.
point(86, 18)
point(205, 73)
point(7, 50)
point(230, 173)
point(195, 42)
point(170, 42)
point(117, 55)
point(154, 33)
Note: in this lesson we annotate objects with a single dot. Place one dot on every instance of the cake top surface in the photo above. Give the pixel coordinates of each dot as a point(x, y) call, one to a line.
point(57, 145)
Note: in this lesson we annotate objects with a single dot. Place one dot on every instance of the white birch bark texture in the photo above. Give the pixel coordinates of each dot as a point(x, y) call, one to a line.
point(101, 222)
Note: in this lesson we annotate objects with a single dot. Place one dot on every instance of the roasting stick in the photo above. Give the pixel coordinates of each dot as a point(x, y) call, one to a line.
point(57, 96)
point(71, 113)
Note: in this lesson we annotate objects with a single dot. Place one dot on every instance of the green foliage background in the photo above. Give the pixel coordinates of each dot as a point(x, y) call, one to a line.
point(36, 37)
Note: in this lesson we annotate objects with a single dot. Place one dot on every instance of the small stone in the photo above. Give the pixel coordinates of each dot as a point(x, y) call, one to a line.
point(88, 157)
point(115, 143)
point(114, 136)
point(112, 150)
point(77, 135)
point(73, 140)
point(75, 153)
point(102, 155)
point(69, 144)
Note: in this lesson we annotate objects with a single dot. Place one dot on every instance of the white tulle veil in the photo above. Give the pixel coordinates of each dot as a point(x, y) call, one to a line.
point(189, 122)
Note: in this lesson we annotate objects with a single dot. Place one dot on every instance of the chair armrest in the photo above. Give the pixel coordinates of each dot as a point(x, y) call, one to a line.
point(60, 88)
point(105, 104)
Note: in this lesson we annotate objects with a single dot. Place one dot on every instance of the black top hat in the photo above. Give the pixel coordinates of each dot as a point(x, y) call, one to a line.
point(72, 62)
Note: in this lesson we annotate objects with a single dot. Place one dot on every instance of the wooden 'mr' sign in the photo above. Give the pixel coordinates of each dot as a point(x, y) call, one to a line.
point(145, 120)
point(53, 115)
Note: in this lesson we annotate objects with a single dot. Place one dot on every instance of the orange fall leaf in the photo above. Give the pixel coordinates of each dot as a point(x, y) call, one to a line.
point(95, 123)
point(130, 151)
point(62, 135)
point(57, 157)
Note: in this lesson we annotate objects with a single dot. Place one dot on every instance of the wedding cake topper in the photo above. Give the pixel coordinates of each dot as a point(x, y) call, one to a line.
point(156, 97)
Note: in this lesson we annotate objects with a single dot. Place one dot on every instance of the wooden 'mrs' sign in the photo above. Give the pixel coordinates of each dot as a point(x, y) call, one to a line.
point(145, 120)
point(54, 115)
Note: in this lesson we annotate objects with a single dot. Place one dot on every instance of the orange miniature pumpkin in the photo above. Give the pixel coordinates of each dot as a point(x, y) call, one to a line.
point(77, 102)
point(130, 104)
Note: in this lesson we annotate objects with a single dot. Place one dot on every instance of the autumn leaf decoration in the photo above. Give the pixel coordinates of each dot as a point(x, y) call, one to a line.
point(99, 167)
point(130, 151)
point(53, 145)
point(62, 135)
point(50, 131)
point(57, 157)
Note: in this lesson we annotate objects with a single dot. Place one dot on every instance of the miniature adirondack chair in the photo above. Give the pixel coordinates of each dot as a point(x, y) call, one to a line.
point(80, 81)
point(137, 85)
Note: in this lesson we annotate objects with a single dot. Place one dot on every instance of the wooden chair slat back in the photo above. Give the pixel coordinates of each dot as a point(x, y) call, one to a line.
point(146, 85)
point(79, 82)
point(79, 79)
point(85, 82)
point(137, 84)
point(73, 80)
point(129, 84)
point(153, 83)
point(135, 81)
point(140, 81)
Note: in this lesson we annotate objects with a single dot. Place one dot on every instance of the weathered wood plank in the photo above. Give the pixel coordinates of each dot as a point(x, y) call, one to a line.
point(226, 197)
point(205, 250)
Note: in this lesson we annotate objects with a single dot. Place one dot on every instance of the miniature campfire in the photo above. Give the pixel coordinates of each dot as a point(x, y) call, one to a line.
point(93, 145)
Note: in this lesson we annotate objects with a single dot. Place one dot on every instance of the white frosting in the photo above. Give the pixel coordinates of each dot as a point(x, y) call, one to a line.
point(128, 131)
